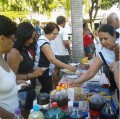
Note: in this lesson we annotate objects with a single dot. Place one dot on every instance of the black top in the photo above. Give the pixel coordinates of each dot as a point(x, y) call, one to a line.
point(26, 66)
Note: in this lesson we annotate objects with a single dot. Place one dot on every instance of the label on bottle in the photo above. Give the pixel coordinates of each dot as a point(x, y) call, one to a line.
point(35, 114)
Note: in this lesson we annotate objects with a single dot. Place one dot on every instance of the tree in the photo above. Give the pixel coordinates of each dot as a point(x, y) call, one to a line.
point(66, 5)
point(95, 5)
point(77, 30)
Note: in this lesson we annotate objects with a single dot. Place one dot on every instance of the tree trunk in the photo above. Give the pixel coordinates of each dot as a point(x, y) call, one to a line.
point(77, 30)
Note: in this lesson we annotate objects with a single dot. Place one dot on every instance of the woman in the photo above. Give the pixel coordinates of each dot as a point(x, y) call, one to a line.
point(107, 36)
point(8, 89)
point(87, 41)
point(45, 57)
point(19, 58)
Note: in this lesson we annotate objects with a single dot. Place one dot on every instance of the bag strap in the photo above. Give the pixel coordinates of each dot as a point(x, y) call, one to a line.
point(103, 59)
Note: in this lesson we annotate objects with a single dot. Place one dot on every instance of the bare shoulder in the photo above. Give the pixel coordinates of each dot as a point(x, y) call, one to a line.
point(14, 54)
point(14, 51)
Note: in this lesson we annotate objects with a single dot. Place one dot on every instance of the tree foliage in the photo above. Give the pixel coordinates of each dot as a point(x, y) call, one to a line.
point(95, 5)
point(46, 6)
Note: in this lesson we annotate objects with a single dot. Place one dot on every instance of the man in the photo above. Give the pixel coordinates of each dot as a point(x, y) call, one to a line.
point(113, 19)
point(61, 47)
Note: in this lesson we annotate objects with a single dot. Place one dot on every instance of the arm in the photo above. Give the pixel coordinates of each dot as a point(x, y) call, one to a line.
point(67, 45)
point(50, 56)
point(115, 69)
point(14, 59)
point(66, 40)
point(4, 114)
point(90, 73)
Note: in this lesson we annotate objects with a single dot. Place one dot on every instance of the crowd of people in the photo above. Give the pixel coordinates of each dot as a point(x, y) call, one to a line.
point(51, 52)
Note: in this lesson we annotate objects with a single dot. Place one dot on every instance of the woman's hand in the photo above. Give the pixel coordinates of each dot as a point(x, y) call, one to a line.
point(37, 72)
point(72, 68)
point(20, 81)
point(70, 84)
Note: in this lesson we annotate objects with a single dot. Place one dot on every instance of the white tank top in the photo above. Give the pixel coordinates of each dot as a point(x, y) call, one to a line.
point(8, 90)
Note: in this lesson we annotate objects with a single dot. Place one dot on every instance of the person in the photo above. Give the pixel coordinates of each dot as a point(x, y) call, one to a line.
point(45, 57)
point(8, 88)
point(19, 59)
point(97, 43)
point(39, 31)
point(61, 47)
point(87, 41)
point(107, 36)
point(113, 19)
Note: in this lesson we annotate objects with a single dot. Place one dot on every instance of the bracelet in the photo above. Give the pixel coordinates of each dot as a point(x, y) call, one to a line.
point(27, 76)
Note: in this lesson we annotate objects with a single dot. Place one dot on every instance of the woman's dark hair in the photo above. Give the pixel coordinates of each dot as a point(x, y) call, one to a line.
point(24, 33)
point(107, 28)
point(49, 28)
point(60, 20)
point(7, 26)
point(84, 25)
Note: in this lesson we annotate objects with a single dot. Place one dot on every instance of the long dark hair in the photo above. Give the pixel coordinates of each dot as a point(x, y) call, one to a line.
point(24, 33)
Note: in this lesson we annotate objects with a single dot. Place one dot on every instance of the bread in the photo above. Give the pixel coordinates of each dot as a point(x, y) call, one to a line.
point(79, 93)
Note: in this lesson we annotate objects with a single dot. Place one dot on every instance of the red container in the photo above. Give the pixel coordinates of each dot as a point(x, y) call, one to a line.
point(94, 114)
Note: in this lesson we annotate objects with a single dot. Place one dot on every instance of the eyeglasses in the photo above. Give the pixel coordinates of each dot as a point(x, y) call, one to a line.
point(12, 37)
point(55, 33)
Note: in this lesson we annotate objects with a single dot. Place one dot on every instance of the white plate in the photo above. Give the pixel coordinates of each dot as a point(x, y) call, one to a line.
point(67, 71)
point(72, 64)
point(72, 76)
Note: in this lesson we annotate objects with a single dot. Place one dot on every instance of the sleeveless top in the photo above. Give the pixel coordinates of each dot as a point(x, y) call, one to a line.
point(26, 66)
point(8, 90)
point(40, 58)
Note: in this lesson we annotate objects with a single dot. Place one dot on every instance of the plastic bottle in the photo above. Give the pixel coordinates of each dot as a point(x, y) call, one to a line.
point(108, 112)
point(43, 100)
point(18, 114)
point(60, 97)
point(75, 112)
point(55, 112)
point(35, 113)
point(96, 104)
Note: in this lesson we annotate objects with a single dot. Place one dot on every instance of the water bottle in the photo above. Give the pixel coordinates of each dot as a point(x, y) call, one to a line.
point(108, 111)
point(43, 100)
point(75, 112)
point(18, 114)
point(35, 113)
